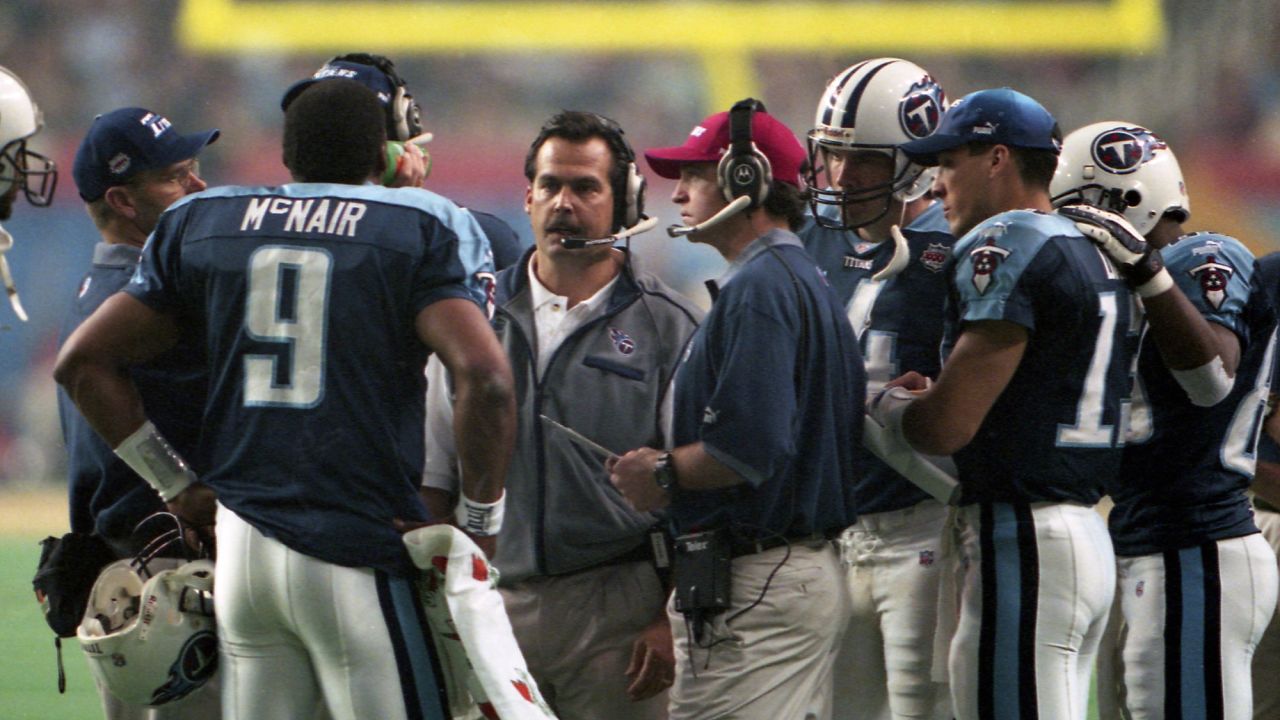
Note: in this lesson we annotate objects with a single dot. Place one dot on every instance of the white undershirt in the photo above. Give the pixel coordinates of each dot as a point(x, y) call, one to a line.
point(554, 320)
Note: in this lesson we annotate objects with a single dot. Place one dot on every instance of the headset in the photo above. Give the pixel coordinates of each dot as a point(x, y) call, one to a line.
point(744, 173)
point(404, 116)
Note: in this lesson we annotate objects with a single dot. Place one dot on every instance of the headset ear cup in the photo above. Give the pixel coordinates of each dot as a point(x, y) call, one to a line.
point(635, 196)
point(748, 175)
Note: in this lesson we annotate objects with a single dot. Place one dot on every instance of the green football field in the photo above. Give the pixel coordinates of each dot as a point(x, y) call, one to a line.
point(28, 663)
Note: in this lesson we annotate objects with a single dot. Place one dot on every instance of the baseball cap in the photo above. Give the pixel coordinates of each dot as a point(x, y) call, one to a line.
point(367, 75)
point(124, 142)
point(709, 141)
point(1001, 116)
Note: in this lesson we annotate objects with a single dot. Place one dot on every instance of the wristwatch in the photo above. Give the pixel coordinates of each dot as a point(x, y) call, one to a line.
point(664, 472)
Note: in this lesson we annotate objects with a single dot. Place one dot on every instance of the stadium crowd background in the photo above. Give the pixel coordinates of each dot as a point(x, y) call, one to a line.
point(1211, 88)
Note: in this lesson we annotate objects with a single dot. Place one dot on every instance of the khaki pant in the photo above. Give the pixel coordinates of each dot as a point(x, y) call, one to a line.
point(772, 661)
point(577, 632)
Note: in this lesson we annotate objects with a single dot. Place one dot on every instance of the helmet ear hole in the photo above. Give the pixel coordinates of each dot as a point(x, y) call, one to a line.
point(1132, 198)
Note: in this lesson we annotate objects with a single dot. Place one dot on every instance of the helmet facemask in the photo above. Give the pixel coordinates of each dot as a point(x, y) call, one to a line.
point(33, 172)
point(909, 182)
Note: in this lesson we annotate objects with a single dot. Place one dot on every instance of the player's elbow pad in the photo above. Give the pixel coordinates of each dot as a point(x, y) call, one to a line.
point(1206, 385)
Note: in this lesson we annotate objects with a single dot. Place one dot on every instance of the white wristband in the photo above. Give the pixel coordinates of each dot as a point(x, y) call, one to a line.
point(1206, 385)
point(480, 519)
point(1158, 283)
point(155, 460)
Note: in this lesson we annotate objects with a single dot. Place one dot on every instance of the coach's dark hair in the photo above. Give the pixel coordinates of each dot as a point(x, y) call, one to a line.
point(579, 126)
point(334, 132)
point(787, 201)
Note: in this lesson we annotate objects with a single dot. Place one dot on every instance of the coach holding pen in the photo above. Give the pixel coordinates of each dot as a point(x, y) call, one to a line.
point(766, 428)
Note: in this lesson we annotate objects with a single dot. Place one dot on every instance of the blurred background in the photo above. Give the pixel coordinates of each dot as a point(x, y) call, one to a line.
point(1204, 75)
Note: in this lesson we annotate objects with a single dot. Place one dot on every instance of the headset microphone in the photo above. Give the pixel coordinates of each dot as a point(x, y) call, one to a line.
point(574, 243)
point(739, 204)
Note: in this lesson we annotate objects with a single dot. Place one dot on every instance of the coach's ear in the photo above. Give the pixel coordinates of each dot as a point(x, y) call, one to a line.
point(121, 202)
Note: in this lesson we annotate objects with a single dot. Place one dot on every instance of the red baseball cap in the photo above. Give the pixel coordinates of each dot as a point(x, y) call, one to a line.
point(709, 141)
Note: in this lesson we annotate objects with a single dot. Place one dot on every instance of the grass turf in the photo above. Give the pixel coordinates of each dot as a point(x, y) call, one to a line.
point(28, 663)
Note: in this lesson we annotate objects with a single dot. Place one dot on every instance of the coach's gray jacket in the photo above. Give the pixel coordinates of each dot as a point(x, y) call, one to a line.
point(607, 380)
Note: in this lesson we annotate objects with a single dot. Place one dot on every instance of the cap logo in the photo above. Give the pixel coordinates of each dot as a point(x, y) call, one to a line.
point(698, 131)
point(118, 164)
point(157, 123)
point(984, 128)
point(329, 71)
point(921, 108)
point(1123, 150)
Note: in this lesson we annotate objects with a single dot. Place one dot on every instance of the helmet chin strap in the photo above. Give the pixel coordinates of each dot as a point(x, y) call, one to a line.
point(901, 250)
point(6, 244)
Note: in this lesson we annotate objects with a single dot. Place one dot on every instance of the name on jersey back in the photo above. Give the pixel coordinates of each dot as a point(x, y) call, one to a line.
point(305, 215)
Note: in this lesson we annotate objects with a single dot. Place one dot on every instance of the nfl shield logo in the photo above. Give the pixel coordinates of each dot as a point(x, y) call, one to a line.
point(1141, 586)
point(926, 557)
point(622, 341)
point(935, 256)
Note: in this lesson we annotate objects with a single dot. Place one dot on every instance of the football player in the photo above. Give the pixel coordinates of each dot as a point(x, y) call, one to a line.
point(20, 168)
point(319, 302)
point(1028, 402)
point(1197, 582)
point(865, 194)
point(1266, 513)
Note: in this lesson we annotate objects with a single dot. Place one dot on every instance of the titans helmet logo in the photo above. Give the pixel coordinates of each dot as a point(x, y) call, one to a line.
point(986, 260)
point(1122, 150)
point(1213, 276)
point(921, 108)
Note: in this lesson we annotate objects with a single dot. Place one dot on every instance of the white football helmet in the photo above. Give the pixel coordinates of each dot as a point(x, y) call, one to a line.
point(1124, 168)
point(151, 640)
point(874, 105)
point(20, 118)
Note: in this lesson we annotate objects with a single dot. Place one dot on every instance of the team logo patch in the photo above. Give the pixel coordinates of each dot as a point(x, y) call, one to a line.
point(1213, 276)
point(622, 341)
point(926, 557)
point(987, 258)
point(935, 256)
point(1123, 150)
point(921, 108)
point(118, 164)
point(861, 248)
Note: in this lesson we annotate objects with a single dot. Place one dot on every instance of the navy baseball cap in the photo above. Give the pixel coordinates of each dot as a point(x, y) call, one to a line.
point(367, 75)
point(1002, 116)
point(124, 142)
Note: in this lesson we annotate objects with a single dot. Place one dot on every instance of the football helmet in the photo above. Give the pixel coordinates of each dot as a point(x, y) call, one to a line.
point(20, 118)
point(874, 105)
point(1124, 168)
point(148, 630)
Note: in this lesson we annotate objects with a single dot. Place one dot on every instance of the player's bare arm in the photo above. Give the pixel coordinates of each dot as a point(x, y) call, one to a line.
point(947, 416)
point(484, 410)
point(93, 368)
point(93, 363)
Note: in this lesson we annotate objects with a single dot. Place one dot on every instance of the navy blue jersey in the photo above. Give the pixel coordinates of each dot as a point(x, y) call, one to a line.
point(306, 295)
point(106, 496)
point(1053, 435)
point(773, 386)
point(1185, 467)
point(898, 322)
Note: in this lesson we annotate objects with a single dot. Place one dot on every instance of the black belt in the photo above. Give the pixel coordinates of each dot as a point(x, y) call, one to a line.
point(745, 546)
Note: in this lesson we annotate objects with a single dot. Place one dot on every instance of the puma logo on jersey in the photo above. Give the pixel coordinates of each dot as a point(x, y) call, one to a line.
point(309, 215)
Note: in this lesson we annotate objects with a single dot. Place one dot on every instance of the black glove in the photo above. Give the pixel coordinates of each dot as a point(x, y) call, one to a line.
point(1137, 260)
